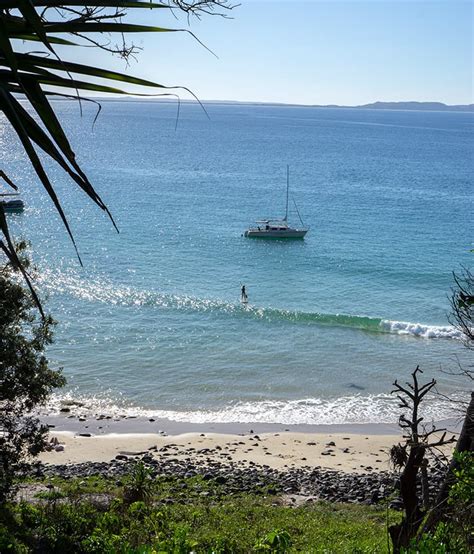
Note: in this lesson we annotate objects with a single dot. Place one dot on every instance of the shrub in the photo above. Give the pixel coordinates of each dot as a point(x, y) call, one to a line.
point(25, 377)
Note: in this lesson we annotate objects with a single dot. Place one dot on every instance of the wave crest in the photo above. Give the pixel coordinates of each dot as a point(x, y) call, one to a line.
point(349, 409)
point(102, 290)
point(420, 330)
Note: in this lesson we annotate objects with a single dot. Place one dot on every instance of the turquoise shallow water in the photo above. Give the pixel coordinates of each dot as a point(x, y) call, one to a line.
point(152, 322)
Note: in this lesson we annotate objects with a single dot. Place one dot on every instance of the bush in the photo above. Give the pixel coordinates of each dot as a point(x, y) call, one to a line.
point(25, 377)
point(278, 541)
point(455, 532)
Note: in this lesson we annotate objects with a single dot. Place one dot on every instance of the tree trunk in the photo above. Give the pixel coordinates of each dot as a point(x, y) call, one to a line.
point(402, 533)
point(465, 443)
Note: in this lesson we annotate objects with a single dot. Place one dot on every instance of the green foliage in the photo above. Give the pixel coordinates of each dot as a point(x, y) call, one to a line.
point(139, 486)
point(445, 540)
point(26, 380)
point(455, 533)
point(461, 499)
point(278, 541)
point(462, 491)
point(188, 522)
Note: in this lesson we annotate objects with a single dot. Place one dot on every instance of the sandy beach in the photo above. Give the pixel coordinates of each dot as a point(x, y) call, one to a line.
point(343, 451)
point(351, 448)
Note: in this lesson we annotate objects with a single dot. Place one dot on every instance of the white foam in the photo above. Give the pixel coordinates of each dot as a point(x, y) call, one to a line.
point(421, 330)
point(102, 290)
point(378, 408)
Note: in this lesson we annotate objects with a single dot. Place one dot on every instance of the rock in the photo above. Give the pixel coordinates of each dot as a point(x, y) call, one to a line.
point(65, 410)
point(374, 497)
point(59, 448)
point(396, 504)
point(235, 477)
point(72, 403)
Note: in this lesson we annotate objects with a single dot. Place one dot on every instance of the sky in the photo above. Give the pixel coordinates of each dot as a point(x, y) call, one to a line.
point(313, 52)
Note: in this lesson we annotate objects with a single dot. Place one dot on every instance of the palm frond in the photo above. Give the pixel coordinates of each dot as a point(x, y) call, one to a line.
point(31, 75)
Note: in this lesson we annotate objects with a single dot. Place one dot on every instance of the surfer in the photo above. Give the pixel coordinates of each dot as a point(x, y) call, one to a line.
point(243, 295)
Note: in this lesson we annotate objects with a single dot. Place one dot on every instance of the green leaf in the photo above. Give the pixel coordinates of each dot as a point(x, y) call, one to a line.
point(6, 47)
point(36, 134)
point(8, 108)
point(12, 256)
point(29, 13)
point(31, 62)
point(34, 38)
point(47, 78)
point(104, 27)
point(7, 180)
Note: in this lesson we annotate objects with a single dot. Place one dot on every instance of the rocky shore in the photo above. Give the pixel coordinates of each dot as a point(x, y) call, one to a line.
point(301, 484)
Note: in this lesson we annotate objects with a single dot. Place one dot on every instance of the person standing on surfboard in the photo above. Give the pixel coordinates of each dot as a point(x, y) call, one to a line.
point(243, 295)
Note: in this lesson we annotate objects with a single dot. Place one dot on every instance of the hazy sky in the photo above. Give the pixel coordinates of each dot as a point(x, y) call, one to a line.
point(315, 52)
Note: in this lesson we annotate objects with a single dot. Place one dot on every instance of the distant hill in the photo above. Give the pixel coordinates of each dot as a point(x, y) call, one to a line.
point(413, 106)
point(429, 106)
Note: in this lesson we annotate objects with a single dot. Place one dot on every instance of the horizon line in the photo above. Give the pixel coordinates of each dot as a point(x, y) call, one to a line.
point(381, 103)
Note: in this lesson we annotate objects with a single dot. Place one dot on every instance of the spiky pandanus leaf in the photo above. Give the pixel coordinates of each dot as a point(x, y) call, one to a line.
point(30, 76)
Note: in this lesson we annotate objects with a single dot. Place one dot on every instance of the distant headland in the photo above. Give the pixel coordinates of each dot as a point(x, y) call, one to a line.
point(429, 106)
point(407, 106)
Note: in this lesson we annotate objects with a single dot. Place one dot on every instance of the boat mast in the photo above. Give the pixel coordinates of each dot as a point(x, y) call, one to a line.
point(287, 189)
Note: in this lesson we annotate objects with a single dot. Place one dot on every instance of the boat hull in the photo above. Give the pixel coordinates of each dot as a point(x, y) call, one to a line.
point(12, 206)
point(273, 234)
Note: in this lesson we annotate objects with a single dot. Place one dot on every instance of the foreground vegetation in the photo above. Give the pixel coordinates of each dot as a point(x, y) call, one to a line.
point(181, 516)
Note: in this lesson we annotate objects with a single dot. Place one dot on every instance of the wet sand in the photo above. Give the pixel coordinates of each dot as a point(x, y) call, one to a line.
point(348, 448)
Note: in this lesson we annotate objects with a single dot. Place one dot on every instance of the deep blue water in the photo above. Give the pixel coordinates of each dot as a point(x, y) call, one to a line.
point(153, 321)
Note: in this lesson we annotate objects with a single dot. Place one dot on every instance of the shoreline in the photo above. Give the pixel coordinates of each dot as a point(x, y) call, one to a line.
point(354, 448)
point(127, 424)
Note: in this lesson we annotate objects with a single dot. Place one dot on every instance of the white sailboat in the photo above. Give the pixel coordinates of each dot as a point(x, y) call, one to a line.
point(278, 228)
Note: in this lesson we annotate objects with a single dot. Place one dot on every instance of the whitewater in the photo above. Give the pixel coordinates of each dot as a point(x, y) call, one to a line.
point(152, 325)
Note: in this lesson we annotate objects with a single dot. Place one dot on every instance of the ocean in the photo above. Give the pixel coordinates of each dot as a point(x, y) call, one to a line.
point(152, 323)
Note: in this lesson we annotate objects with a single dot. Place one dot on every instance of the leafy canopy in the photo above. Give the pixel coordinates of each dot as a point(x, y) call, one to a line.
point(26, 379)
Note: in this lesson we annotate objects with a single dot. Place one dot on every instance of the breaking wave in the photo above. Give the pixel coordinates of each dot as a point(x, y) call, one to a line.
point(349, 409)
point(103, 291)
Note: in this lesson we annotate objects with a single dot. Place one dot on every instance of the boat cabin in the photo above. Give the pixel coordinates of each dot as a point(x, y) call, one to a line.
point(271, 225)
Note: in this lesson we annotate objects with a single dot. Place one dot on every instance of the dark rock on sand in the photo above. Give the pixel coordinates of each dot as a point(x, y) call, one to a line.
point(234, 478)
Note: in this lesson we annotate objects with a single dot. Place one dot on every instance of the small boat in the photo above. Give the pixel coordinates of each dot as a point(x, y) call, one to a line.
point(278, 228)
point(14, 206)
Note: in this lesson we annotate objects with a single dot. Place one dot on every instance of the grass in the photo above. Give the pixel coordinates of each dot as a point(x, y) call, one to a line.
point(182, 516)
